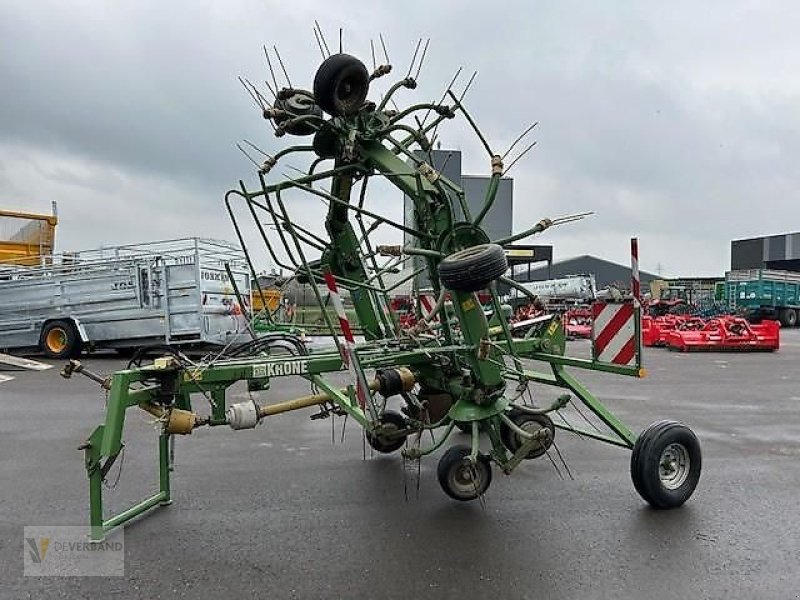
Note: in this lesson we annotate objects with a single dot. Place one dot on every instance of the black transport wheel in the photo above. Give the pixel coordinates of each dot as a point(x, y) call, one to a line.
point(665, 464)
point(389, 438)
point(60, 339)
point(530, 424)
point(341, 85)
point(788, 317)
point(474, 268)
point(461, 480)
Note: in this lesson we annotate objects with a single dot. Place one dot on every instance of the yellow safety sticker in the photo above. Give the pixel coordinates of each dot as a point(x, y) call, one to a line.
point(553, 327)
point(193, 375)
point(468, 304)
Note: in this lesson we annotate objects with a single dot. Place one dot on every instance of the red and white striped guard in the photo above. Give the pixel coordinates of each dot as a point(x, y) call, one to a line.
point(347, 349)
point(614, 333)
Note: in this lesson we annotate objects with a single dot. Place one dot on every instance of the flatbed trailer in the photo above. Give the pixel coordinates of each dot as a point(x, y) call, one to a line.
point(176, 292)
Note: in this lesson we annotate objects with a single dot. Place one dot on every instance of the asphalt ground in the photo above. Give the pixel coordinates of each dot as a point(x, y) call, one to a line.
point(285, 512)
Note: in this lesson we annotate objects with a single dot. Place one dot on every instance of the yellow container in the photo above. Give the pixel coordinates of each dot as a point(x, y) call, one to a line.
point(25, 239)
point(271, 300)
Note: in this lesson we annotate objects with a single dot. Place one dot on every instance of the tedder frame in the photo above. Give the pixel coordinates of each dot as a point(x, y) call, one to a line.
point(463, 365)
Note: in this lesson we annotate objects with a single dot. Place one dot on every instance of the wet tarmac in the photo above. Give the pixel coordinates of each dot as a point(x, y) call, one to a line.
point(289, 510)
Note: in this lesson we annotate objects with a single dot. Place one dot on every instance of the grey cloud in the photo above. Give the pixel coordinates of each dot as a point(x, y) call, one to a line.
point(673, 122)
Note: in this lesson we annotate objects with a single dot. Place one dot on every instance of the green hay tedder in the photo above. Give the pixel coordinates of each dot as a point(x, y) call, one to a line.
point(458, 368)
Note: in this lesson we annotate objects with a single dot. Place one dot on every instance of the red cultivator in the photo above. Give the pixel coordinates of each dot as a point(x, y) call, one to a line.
point(727, 334)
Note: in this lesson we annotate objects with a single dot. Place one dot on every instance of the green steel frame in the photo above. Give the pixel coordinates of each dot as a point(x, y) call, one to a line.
point(469, 359)
point(140, 388)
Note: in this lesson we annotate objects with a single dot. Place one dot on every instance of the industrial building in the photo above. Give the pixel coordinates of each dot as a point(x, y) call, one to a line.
point(529, 263)
point(498, 221)
point(781, 252)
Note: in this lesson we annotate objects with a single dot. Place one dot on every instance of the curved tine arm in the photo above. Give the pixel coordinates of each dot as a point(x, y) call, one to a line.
point(410, 110)
point(404, 150)
point(314, 164)
point(432, 125)
point(491, 194)
point(292, 149)
point(408, 82)
point(271, 161)
point(541, 226)
point(313, 120)
point(472, 123)
point(538, 228)
point(301, 182)
point(418, 136)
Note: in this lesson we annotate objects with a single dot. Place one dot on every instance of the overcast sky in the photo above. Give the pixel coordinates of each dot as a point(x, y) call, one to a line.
point(675, 122)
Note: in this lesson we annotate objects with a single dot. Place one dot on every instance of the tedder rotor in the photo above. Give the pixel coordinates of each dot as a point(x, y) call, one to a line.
point(462, 366)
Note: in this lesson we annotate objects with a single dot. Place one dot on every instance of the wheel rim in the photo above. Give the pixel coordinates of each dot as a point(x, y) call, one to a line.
point(350, 93)
point(531, 427)
point(345, 90)
point(387, 436)
point(674, 466)
point(56, 340)
point(466, 480)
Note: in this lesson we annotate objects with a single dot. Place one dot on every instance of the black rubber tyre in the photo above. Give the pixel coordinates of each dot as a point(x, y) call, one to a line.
point(461, 481)
point(326, 142)
point(666, 464)
point(530, 423)
point(788, 317)
point(474, 268)
point(341, 85)
point(387, 443)
point(60, 339)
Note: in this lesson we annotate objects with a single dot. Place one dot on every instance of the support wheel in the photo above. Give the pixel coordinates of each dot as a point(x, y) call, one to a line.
point(60, 339)
point(388, 438)
point(341, 85)
point(461, 480)
point(531, 424)
point(474, 268)
point(665, 464)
